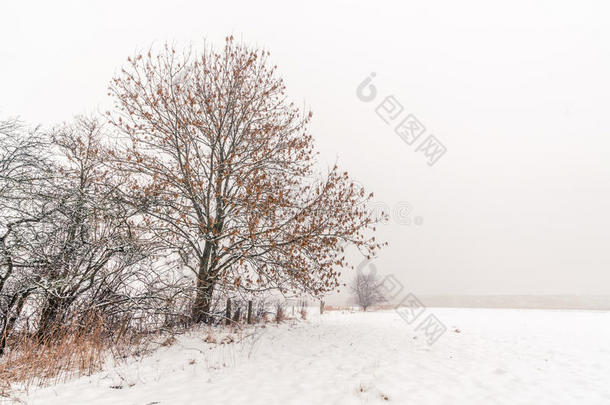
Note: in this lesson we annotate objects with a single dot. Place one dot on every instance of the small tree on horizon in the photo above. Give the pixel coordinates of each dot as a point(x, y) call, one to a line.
point(367, 290)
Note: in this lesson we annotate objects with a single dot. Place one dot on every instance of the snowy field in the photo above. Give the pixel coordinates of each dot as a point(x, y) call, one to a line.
point(487, 356)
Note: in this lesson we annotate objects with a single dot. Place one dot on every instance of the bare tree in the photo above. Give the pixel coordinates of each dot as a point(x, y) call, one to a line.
point(91, 236)
point(24, 176)
point(366, 289)
point(225, 164)
point(70, 245)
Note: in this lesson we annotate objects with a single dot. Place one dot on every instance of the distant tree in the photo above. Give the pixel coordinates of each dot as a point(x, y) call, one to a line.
point(366, 289)
point(225, 164)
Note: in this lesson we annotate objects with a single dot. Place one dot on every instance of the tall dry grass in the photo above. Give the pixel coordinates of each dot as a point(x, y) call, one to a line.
point(72, 350)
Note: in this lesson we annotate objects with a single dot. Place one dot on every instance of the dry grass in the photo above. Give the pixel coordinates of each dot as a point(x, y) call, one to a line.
point(169, 341)
point(337, 308)
point(83, 348)
point(71, 351)
point(280, 311)
point(210, 338)
point(303, 309)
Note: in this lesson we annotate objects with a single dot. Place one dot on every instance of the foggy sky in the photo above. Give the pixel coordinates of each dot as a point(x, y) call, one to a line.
point(518, 92)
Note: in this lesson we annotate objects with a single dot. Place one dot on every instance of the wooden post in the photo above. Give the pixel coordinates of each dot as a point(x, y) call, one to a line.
point(321, 307)
point(250, 312)
point(237, 315)
point(228, 313)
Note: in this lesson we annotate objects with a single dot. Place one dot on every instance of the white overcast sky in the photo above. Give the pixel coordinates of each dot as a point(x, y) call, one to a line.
point(518, 92)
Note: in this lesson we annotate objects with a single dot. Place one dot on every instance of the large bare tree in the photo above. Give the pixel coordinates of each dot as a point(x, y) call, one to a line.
point(225, 164)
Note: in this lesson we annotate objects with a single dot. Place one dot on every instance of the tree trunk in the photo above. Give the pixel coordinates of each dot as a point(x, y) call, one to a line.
point(52, 316)
point(203, 302)
point(205, 288)
point(237, 315)
point(10, 320)
point(228, 313)
point(250, 312)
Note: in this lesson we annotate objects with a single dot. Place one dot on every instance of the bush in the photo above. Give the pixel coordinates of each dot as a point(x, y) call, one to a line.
point(280, 311)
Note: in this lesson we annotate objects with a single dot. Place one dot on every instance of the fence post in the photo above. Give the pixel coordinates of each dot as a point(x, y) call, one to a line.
point(250, 312)
point(321, 307)
point(237, 315)
point(228, 312)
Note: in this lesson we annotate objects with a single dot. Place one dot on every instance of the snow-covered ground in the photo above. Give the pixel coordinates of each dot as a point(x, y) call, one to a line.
point(499, 356)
